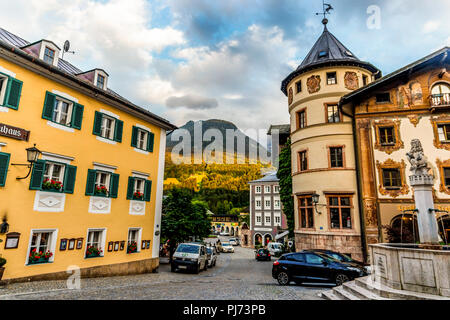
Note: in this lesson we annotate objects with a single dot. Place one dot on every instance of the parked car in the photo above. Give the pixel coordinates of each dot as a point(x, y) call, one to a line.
point(190, 256)
point(262, 255)
point(341, 257)
point(275, 248)
point(224, 233)
point(227, 247)
point(233, 241)
point(212, 256)
point(310, 266)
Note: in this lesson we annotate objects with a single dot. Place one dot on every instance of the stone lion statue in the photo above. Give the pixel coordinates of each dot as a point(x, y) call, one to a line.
point(417, 159)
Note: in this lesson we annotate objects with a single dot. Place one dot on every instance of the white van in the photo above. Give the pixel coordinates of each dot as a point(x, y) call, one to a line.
point(190, 256)
point(275, 248)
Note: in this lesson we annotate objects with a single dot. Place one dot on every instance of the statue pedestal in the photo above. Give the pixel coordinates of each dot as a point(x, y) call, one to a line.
point(423, 196)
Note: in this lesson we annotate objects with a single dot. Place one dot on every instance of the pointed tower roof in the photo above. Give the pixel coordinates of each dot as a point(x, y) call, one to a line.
point(327, 51)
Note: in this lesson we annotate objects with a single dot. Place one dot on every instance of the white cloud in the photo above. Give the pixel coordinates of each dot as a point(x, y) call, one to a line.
point(431, 26)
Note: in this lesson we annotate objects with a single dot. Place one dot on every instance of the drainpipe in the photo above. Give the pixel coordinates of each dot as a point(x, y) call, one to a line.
point(359, 187)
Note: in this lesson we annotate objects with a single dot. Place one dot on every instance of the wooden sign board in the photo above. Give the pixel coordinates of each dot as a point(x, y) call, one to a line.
point(14, 132)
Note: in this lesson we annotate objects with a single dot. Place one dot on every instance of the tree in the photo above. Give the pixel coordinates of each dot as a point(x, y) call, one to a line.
point(182, 218)
point(284, 174)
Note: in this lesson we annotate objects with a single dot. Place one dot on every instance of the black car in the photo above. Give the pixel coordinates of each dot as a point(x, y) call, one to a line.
point(262, 254)
point(338, 256)
point(310, 266)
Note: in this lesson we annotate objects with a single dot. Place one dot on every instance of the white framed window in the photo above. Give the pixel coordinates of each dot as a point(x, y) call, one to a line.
point(142, 137)
point(49, 55)
point(42, 242)
point(96, 238)
point(62, 112)
point(276, 189)
point(54, 171)
point(102, 180)
point(258, 203)
point(267, 189)
point(100, 81)
point(276, 204)
point(258, 220)
point(267, 220)
point(277, 220)
point(108, 125)
point(258, 189)
point(3, 85)
point(267, 204)
point(139, 185)
point(134, 240)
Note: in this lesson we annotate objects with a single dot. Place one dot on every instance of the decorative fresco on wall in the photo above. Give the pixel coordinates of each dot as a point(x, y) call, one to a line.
point(351, 81)
point(313, 84)
point(410, 95)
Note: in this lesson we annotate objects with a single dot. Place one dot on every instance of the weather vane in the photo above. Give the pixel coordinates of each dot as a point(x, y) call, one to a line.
point(326, 10)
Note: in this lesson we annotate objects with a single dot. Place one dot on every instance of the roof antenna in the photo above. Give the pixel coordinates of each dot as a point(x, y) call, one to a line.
point(66, 48)
point(326, 10)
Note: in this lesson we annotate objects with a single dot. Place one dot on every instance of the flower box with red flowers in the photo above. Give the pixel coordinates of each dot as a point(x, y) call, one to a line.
point(52, 185)
point(93, 252)
point(132, 247)
point(138, 195)
point(101, 191)
point(36, 257)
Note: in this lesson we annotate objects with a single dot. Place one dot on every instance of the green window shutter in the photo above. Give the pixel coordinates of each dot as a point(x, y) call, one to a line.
point(97, 123)
point(49, 106)
point(118, 131)
point(134, 137)
point(90, 182)
point(77, 116)
point(4, 163)
point(114, 185)
point(69, 178)
point(13, 92)
point(37, 176)
point(148, 190)
point(150, 141)
point(130, 188)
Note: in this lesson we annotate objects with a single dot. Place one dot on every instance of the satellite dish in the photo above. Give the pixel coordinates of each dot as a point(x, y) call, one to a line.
point(66, 46)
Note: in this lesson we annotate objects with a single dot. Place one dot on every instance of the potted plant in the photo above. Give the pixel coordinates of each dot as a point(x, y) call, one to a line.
point(92, 252)
point(132, 247)
point(52, 185)
point(138, 196)
point(101, 190)
point(2, 269)
point(39, 257)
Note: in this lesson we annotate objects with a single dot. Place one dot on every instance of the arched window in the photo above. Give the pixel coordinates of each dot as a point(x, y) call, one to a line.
point(403, 229)
point(440, 94)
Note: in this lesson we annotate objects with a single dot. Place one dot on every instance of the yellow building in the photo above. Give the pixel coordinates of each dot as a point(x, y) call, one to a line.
point(324, 181)
point(93, 197)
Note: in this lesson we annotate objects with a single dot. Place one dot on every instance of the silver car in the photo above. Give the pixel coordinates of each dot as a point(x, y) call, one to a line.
point(212, 256)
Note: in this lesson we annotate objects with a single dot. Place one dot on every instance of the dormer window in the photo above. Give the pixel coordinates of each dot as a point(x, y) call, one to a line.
point(100, 81)
point(49, 55)
point(323, 54)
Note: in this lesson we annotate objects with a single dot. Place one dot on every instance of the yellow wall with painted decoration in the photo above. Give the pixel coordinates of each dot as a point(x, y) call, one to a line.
point(17, 201)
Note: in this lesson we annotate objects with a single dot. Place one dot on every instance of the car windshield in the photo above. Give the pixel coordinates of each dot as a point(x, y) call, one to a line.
point(277, 245)
point(341, 257)
point(226, 244)
point(186, 248)
point(210, 250)
point(327, 257)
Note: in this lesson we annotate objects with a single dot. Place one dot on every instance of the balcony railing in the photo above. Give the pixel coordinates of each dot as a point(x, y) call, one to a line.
point(440, 100)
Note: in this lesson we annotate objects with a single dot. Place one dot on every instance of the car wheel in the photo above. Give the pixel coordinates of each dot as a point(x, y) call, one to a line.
point(173, 268)
point(340, 279)
point(206, 266)
point(197, 270)
point(283, 278)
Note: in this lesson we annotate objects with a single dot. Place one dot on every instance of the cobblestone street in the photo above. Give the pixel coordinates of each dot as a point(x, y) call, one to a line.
point(237, 276)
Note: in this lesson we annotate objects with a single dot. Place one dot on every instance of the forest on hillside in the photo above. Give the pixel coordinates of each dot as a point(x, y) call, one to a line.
point(223, 187)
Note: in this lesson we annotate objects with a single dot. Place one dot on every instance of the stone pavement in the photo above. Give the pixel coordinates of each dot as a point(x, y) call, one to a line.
point(237, 276)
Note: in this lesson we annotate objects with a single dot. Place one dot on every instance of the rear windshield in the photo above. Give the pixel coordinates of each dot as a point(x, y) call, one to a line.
point(210, 250)
point(276, 245)
point(186, 248)
point(226, 244)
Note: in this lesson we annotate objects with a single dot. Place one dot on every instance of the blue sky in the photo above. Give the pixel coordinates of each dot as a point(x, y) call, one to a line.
point(201, 59)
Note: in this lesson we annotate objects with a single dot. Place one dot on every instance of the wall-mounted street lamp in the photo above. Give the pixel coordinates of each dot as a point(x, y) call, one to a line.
point(4, 227)
point(32, 155)
point(315, 200)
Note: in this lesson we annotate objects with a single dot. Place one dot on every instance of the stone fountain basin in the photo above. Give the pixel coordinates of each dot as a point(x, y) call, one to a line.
point(410, 267)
